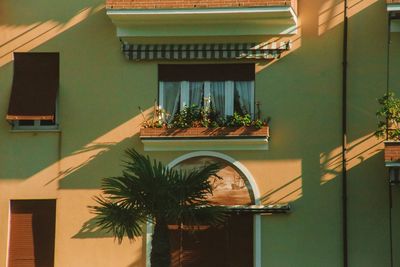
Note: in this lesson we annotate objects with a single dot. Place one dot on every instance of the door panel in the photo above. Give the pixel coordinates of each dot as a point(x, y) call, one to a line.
point(228, 246)
point(32, 233)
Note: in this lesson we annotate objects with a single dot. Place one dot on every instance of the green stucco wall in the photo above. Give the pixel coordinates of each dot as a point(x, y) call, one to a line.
point(99, 96)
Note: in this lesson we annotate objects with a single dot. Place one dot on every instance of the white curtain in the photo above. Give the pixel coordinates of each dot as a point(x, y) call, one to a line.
point(229, 97)
point(225, 96)
point(185, 93)
point(196, 93)
point(217, 92)
point(207, 95)
point(170, 93)
point(244, 96)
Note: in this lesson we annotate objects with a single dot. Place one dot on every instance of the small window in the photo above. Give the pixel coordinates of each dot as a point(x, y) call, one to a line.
point(226, 88)
point(34, 91)
point(34, 125)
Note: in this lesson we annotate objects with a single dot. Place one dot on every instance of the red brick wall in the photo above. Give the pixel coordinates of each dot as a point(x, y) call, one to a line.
point(160, 4)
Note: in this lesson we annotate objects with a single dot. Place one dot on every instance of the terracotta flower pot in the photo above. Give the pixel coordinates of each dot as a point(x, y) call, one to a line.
point(392, 151)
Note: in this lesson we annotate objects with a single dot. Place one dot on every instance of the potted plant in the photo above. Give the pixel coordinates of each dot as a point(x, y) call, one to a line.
point(389, 125)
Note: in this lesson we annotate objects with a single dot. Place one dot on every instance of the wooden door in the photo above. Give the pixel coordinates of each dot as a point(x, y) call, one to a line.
point(32, 233)
point(230, 245)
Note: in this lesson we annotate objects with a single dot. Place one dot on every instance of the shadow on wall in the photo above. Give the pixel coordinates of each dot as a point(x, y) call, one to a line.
point(288, 192)
point(36, 28)
point(331, 12)
point(91, 230)
point(358, 152)
point(68, 166)
point(94, 150)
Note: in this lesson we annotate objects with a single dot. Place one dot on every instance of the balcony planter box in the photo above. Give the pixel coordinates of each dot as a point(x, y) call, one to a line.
point(392, 152)
point(220, 138)
point(202, 132)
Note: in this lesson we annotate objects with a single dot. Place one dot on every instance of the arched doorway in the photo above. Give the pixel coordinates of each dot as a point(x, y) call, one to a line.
point(231, 245)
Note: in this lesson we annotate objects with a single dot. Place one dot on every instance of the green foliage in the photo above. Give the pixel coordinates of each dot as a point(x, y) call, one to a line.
point(187, 117)
point(195, 116)
point(258, 123)
point(119, 219)
point(237, 120)
point(389, 117)
point(147, 191)
point(157, 120)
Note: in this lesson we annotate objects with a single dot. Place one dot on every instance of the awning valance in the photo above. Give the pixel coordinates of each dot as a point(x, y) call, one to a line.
point(260, 209)
point(35, 86)
point(204, 51)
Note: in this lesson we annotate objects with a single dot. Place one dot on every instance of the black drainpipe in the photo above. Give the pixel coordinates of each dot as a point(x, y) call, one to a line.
point(390, 185)
point(344, 136)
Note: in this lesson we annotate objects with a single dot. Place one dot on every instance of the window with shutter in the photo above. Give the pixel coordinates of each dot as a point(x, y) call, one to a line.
point(34, 91)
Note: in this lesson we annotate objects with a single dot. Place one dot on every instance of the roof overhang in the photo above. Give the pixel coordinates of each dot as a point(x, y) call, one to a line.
point(394, 13)
point(260, 21)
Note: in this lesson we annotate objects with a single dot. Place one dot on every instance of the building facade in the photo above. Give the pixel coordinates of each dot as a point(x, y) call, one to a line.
point(73, 74)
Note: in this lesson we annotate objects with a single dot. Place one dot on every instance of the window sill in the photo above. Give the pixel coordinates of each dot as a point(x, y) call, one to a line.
point(222, 138)
point(35, 130)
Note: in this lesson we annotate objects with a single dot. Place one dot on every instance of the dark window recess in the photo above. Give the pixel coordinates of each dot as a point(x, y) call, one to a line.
point(26, 123)
point(206, 72)
point(32, 233)
point(47, 122)
point(35, 87)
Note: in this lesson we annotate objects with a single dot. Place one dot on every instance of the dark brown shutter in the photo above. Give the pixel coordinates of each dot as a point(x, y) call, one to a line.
point(206, 72)
point(35, 86)
point(32, 233)
point(230, 245)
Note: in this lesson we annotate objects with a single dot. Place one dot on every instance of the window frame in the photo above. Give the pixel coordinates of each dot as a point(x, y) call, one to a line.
point(229, 102)
point(36, 124)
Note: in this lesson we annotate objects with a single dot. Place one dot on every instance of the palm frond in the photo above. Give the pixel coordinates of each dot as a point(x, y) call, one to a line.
point(118, 219)
point(195, 186)
point(203, 215)
point(147, 190)
point(152, 179)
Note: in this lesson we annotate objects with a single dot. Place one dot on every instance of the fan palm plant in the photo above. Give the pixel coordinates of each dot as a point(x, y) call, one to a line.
point(147, 191)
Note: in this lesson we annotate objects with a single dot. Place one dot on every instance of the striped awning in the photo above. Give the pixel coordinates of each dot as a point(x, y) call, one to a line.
point(204, 51)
